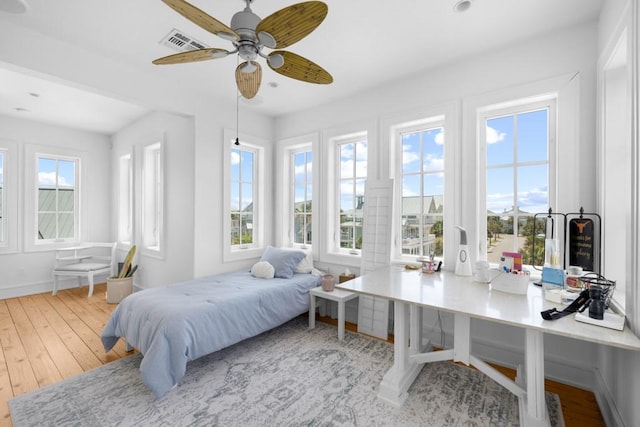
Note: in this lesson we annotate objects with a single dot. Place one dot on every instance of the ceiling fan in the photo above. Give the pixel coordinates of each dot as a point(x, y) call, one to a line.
point(249, 35)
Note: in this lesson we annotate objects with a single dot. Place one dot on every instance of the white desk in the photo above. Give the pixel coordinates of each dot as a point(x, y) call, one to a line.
point(338, 295)
point(410, 290)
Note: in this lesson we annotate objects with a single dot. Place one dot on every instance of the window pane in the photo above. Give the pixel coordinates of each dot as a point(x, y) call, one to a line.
point(434, 146)
point(423, 191)
point(235, 165)
point(499, 135)
point(533, 194)
point(532, 136)
point(65, 224)
point(247, 197)
point(509, 215)
point(247, 166)
point(46, 172)
point(411, 152)
point(56, 198)
point(246, 223)
point(46, 226)
point(500, 190)
point(351, 183)
point(66, 173)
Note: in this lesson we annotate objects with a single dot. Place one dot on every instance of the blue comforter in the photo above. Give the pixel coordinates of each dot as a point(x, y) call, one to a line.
point(176, 324)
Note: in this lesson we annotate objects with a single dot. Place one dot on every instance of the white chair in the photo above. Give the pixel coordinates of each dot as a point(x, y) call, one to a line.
point(84, 262)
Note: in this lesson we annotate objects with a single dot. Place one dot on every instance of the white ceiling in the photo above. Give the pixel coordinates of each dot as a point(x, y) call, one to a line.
point(363, 44)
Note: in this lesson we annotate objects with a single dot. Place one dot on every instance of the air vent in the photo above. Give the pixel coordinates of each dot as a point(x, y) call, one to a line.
point(180, 42)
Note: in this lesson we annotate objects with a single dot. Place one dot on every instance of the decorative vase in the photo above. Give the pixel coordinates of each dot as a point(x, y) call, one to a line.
point(328, 282)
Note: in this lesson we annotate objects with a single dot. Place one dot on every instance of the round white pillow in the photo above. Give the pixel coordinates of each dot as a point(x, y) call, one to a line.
point(263, 270)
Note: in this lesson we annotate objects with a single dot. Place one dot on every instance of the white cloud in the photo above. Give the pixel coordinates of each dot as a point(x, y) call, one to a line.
point(49, 178)
point(494, 136)
point(235, 157)
point(439, 138)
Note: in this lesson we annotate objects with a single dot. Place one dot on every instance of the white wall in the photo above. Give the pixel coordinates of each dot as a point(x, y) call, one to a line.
point(564, 53)
point(176, 135)
point(618, 374)
point(30, 272)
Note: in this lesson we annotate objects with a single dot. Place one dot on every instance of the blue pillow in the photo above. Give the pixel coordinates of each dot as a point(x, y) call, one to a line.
point(284, 261)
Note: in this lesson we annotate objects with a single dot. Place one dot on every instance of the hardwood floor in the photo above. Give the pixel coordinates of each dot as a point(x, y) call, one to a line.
point(45, 339)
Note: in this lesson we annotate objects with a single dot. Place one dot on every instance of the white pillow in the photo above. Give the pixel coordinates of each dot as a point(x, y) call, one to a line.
point(263, 270)
point(306, 265)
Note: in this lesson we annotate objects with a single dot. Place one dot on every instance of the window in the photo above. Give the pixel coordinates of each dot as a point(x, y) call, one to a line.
point(243, 210)
point(518, 177)
point(302, 203)
point(242, 196)
point(351, 178)
point(153, 198)
point(57, 198)
point(125, 199)
point(421, 177)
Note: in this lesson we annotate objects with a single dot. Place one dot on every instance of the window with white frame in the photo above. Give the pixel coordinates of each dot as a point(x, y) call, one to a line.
point(125, 199)
point(420, 180)
point(3, 203)
point(519, 177)
point(351, 177)
point(302, 196)
point(57, 198)
point(242, 190)
point(153, 198)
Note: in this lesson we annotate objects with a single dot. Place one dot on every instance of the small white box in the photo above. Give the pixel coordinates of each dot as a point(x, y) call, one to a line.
point(117, 289)
point(512, 283)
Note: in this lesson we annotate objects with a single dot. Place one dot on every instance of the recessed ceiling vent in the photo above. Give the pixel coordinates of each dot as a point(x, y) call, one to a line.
point(181, 42)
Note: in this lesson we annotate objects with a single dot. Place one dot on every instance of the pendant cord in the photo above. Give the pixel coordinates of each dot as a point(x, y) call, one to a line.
point(237, 108)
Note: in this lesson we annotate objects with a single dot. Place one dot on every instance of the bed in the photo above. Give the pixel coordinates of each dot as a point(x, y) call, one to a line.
point(173, 325)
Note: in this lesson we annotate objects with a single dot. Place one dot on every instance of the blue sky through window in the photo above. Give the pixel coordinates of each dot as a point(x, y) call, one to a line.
point(519, 141)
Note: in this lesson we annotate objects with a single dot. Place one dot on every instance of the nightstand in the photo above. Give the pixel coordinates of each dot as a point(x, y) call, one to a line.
point(338, 295)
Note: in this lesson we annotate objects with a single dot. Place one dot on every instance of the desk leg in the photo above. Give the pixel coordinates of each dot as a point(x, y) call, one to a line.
point(533, 408)
point(312, 311)
point(396, 382)
point(340, 320)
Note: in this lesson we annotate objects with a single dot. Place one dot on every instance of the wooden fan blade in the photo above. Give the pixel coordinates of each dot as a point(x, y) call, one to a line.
point(248, 83)
point(299, 68)
point(191, 56)
point(293, 23)
point(202, 19)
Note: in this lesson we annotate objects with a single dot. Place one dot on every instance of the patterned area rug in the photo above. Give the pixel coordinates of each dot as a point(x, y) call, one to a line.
point(290, 376)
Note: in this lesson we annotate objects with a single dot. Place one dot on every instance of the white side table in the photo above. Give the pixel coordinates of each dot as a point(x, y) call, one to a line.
point(338, 295)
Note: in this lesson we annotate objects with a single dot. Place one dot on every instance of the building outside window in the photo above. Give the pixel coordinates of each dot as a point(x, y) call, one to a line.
point(302, 204)
point(57, 199)
point(422, 196)
point(518, 142)
point(352, 177)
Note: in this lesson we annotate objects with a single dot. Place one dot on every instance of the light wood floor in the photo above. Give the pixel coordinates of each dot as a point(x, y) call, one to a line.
point(45, 339)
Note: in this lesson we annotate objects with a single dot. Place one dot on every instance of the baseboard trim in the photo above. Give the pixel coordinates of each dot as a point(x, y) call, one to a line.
point(607, 404)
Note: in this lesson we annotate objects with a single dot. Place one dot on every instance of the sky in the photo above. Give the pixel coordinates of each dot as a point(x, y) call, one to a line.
point(521, 138)
point(47, 172)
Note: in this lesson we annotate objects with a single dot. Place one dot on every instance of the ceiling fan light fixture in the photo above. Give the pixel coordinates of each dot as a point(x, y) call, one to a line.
point(275, 60)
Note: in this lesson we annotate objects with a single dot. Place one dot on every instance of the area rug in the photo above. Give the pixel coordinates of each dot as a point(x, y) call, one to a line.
point(289, 376)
